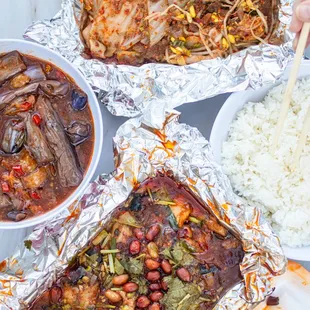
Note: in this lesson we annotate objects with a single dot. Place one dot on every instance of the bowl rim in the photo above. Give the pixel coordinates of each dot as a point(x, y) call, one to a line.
point(98, 131)
point(296, 253)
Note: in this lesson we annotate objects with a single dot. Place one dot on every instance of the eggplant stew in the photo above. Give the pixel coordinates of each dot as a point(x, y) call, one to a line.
point(161, 249)
point(46, 136)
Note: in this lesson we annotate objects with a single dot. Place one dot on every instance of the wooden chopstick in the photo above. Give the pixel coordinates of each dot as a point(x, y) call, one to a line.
point(291, 83)
point(302, 139)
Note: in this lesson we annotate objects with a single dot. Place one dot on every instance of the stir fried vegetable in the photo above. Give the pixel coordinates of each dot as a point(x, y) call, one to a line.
point(177, 32)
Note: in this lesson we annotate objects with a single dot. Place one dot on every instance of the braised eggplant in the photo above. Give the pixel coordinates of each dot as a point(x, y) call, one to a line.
point(69, 172)
point(10, 64)
point(46, 142)
point(37, 143)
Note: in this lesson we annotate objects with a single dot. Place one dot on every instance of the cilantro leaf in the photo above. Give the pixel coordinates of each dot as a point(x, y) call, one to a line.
point(119, 269)
point(133, 266)
point(181, 296)
point(143, 286)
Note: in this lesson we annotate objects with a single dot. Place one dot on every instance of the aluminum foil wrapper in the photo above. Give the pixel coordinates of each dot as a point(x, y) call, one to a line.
point(128, 90)
point(145, 146)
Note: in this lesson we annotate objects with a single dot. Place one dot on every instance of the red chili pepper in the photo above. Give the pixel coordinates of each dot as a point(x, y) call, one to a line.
point(35, 195)
point(37, 119)
point(5, 187)
point(18, 170)
point(25, 106)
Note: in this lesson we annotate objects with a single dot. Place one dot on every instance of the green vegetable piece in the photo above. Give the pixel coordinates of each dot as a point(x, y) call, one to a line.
point(194, 220)
point(177, 253)
point(100, 237)
point(111, 263)
point(143, 286)
point(173, 222)
point(119, 269)
point(113, 245)
point(181, 296)
point(108, 281)
point(166, 252)
point(133, 266)
point(127, 219)
point(106, 240)
point(110, 251)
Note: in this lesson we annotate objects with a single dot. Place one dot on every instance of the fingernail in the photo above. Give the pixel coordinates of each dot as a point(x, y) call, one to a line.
point(303, 12)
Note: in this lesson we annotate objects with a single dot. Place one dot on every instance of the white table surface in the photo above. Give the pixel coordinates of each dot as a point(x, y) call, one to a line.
point(18, 15)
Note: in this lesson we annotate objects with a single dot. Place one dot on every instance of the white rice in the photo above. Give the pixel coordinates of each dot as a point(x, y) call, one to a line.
point(265, 179)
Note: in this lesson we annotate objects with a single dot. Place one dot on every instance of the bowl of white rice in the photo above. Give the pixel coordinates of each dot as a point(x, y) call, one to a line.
point(241, 139)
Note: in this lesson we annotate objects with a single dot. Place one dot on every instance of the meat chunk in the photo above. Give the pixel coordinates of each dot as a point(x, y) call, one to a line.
point(10, 64)
point(35, 179)
point(213, 225)
point(68, 168)
point(28, 164)
point(37, 143)
point(181, 210)
point(83, 296)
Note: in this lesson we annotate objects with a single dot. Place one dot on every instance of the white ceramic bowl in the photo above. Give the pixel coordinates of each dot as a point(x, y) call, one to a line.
point(43, 53)
point(221, 128)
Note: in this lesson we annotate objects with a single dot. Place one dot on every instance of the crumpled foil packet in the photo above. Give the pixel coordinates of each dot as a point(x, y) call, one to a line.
point(145, 146)
point(128, 90)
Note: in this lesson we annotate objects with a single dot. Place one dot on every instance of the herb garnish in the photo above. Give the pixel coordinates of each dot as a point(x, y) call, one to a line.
point(133, 266)
point(178, 255)
point(180, 295)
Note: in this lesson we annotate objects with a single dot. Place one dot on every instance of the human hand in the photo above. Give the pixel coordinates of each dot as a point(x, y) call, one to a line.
point(301, 15)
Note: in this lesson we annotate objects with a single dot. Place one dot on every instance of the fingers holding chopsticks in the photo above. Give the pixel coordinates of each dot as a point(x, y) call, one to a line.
point(301, 15)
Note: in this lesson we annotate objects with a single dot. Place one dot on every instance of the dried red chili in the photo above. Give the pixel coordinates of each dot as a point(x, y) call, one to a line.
point(37, 119)
point(18, 170)
point(35, 195)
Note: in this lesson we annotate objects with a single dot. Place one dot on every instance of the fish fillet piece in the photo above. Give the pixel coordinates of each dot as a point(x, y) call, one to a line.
point(117, 27)
point(157, 27)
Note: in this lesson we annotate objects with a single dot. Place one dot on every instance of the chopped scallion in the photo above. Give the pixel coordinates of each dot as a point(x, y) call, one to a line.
point(111, 263)
point(165, 203)
point(110, 251)
point(105, 241)
point(100, 237)
point(194, 220)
